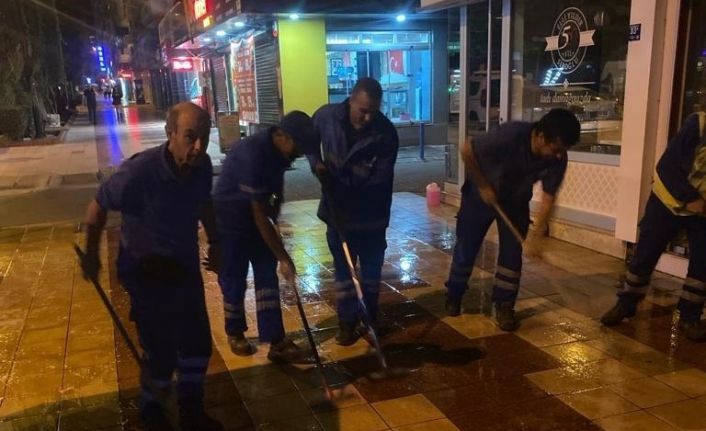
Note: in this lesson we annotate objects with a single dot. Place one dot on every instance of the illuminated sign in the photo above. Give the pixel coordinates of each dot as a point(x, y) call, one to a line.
point(206, 21)
point(101, 59)
point(182, 65)
point(200, 8)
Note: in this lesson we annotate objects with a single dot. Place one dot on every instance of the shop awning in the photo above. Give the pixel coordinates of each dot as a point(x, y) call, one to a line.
point(326, 6)
point(433, 5)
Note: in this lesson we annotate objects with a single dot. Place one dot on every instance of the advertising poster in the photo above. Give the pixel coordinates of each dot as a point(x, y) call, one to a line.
point(244, 78)
point(228, 130)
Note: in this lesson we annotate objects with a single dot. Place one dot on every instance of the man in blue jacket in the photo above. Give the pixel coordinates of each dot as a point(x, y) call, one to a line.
point(356, 165)
point(502, 168)
point(162, 193)
point(247, 197)
point(678, 201)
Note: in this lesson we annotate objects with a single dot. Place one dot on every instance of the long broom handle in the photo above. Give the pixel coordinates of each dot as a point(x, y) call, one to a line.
point(307, 329)
point(310, 337)
point(111, 310)
point(510, 225)
point(351, 267)
point(361, 301)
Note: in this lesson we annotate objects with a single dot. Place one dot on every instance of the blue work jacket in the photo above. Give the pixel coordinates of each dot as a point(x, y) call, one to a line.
point(160, 211)
point(253, 171)
point(361, 166)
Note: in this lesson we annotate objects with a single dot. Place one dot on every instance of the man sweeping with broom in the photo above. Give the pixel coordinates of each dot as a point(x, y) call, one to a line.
point(162, 193)
point(247, 199)
point(356, 168)
point(503, 167)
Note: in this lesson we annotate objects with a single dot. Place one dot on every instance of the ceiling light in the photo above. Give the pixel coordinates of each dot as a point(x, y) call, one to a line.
point(220, 33)
point(401, 18)
point(294, 16)
point(239, 24)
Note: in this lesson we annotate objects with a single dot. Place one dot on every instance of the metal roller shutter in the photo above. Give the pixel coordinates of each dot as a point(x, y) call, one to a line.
point(269, 101)
point(220, 84)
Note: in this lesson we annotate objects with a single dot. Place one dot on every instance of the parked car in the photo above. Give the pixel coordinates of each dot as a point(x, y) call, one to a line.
point(477, 94)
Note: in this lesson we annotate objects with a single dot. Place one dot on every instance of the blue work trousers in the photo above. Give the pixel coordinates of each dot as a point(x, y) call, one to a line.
point(239, 251)
point(474, 219)
point(368, 247)
point(168, 307)
point(657, 228)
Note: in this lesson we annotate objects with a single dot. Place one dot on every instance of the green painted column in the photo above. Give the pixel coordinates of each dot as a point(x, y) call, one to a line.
point(302, 48)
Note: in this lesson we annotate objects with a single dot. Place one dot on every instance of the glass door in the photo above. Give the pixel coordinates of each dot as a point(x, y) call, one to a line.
point(454, 94)
point(475, 78)
point(399, 60)
point(483, 59)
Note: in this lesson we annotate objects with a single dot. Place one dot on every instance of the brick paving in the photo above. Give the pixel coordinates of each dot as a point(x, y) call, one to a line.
point(63, 366)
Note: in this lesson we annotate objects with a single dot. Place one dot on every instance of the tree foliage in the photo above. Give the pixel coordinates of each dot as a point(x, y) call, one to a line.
point(32, 61)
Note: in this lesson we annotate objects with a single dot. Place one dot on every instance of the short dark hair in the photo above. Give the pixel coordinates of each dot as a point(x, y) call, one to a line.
point(300, 127)
point(370, 86)
point(560, 123)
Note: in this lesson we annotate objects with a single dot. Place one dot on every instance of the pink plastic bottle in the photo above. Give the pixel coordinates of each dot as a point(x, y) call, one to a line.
point(433, 195)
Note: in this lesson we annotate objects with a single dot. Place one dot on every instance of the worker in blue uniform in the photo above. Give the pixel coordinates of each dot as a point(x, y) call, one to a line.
point(162, 194)
point(678, 201)
point(356, 165)
point(503, 166)
point(247, 199)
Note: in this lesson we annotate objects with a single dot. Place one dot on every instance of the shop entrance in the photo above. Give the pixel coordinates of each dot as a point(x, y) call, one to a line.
point(478, 89)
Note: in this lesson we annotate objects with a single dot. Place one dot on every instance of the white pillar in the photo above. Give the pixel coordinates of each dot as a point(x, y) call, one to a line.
point(641, 115)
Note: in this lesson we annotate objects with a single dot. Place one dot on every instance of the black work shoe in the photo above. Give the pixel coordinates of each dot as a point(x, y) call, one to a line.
point(505, 316)
point(615, 315)
point(453, 308)
point(347, 334)
point(240, 345)
point(196, 419)
point(153, 418)
point(694, 331)
point(286, 351)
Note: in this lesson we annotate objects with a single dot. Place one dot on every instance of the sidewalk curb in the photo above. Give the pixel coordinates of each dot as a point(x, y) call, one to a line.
point(43, 182)
point(67, 126)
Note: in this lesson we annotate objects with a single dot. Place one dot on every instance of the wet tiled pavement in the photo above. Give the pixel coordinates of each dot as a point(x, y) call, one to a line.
point(62, 364)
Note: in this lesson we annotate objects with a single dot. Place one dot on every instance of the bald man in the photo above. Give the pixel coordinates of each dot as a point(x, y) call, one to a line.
point(162, 193)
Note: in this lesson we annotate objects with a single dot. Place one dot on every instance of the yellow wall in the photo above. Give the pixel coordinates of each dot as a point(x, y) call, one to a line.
point(302, 48)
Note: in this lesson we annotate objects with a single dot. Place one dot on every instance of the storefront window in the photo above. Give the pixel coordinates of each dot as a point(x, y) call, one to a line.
point(400, 60)
point(690, 70)
point(572, 54)
point(481, 116)
point(454, 93)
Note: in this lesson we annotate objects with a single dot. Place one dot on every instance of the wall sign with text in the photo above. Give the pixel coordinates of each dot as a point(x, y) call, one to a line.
point(635, 32)
point(569, 40)
point(244, 78)
point(571, 49)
